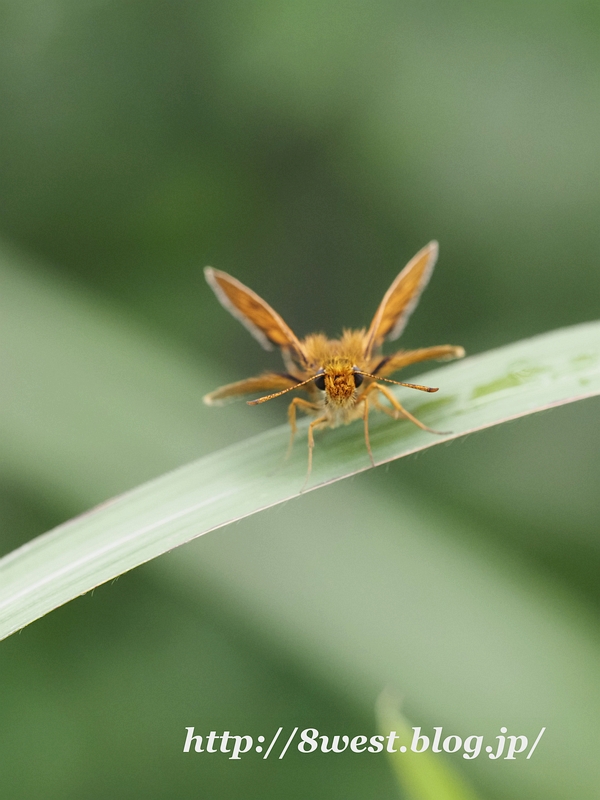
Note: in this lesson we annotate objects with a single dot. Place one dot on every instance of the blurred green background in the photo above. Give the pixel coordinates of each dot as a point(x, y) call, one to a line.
point(310, 149)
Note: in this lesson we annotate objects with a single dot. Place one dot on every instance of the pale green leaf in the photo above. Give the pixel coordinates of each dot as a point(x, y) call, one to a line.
point(490, 388)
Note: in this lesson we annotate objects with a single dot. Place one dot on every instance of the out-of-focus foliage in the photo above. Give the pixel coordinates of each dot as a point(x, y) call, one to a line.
point(310, 149)
point(423, 775)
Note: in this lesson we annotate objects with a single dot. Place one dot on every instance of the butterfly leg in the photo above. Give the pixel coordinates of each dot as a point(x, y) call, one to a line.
point(400, 410)
point(386, 409)
point(311, 444)
point(304, 404)
point(366, 421)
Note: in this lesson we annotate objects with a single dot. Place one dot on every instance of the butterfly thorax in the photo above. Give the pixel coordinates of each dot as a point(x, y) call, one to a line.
point(320, 350)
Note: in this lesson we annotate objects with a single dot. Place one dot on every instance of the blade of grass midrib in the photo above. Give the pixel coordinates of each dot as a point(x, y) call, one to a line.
point(249, 476)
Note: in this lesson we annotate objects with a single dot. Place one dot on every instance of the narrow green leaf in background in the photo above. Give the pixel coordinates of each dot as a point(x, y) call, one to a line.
point(423, 776)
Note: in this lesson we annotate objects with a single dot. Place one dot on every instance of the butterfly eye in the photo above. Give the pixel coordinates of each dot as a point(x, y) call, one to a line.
point(358, 378)
point(320, 380)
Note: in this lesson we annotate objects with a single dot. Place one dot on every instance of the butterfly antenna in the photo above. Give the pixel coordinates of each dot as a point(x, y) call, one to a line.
point(418, 386)
point(278, 394)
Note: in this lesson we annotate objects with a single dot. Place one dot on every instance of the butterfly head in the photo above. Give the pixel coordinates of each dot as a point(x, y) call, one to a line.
point(339, 379)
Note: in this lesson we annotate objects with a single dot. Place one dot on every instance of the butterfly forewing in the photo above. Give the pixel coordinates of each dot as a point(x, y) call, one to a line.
point(267, 382)
point(401, 298)
point(253, 312)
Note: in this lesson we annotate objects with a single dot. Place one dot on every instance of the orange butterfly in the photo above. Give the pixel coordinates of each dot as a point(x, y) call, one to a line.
point(340, 376)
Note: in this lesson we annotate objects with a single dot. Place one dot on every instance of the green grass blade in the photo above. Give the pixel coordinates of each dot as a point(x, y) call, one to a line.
point(494, 387)
point(423, 776)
